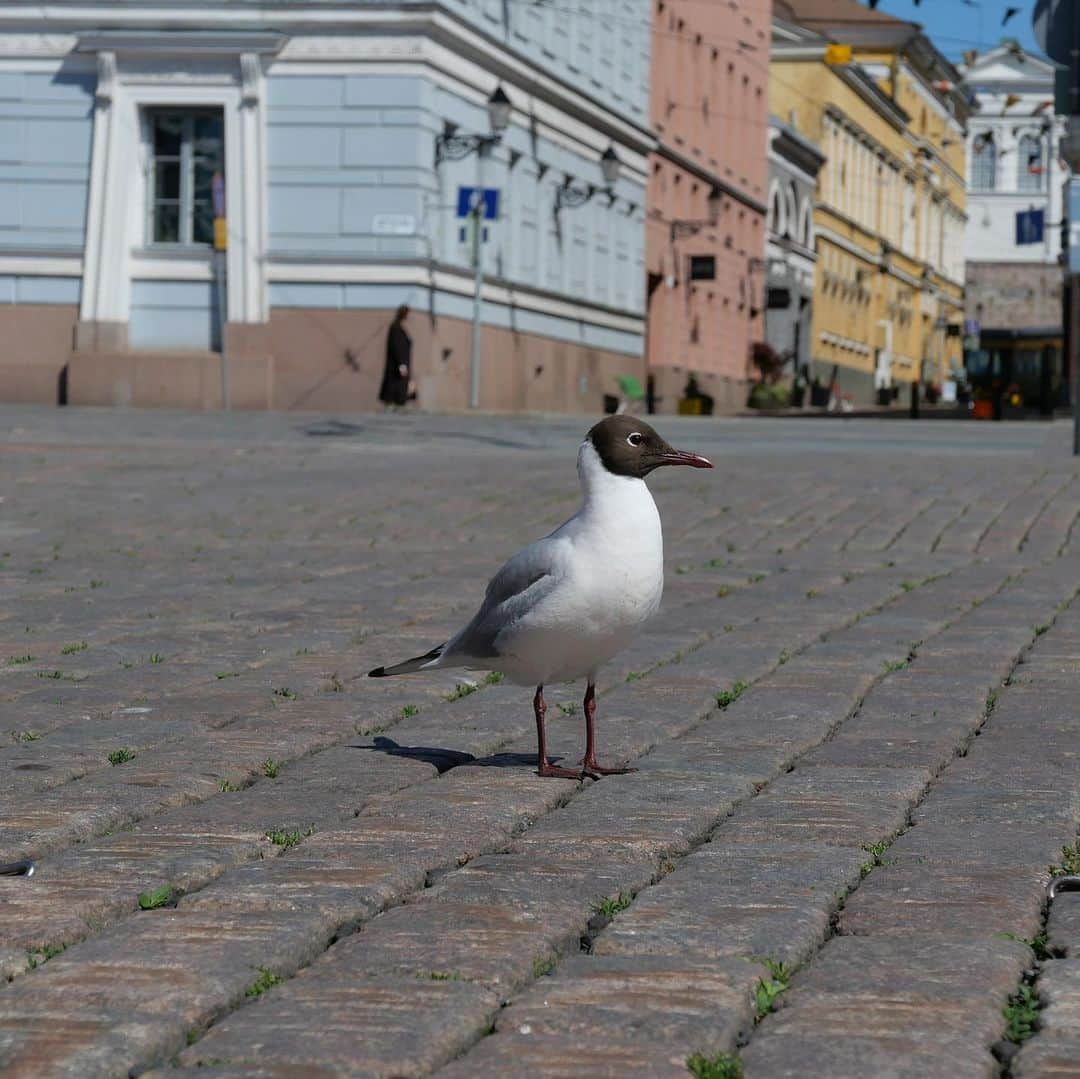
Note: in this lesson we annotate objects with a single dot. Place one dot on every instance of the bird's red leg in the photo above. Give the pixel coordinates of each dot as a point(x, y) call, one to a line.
point(543, 768)
point(589, 764)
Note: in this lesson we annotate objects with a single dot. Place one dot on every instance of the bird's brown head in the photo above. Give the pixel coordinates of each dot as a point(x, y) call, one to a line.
point(628, 446)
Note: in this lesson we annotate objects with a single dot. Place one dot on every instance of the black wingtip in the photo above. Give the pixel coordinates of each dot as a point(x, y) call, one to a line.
point(379, 672)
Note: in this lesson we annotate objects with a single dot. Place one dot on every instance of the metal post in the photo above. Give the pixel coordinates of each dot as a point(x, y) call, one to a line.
point(478, 277)
point(1073, 345)
point(220, 258)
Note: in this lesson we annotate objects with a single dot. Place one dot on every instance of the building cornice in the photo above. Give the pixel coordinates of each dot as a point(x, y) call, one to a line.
point(296, 18)
point(171, 42)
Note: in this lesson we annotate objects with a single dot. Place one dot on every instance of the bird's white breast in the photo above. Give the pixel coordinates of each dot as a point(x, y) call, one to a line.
point(611, 581)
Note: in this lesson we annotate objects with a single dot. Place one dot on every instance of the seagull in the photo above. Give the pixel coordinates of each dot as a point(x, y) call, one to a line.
point(566, 604)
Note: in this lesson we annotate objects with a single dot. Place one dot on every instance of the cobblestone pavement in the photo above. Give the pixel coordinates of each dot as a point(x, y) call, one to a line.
point(854, 723)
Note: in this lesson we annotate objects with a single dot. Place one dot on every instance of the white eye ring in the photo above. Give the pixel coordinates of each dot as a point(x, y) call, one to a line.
point(636, 438)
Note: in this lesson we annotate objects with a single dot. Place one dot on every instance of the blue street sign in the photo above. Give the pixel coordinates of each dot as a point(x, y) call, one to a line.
point(1029, 226)
point(490, 195)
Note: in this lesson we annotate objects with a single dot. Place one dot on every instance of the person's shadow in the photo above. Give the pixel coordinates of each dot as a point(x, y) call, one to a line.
point(445, 759)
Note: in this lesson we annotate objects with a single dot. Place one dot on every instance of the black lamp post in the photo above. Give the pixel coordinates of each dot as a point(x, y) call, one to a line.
point(571, 195)
point(450, 146)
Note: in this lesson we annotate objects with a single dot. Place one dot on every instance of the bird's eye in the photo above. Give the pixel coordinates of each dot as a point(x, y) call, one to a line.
point(635, 439)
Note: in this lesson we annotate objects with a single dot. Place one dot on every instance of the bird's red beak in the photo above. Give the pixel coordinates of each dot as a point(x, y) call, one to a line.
point(681, 457)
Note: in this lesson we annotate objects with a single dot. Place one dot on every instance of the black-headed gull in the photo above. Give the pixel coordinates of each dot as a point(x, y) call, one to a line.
point(564, 605)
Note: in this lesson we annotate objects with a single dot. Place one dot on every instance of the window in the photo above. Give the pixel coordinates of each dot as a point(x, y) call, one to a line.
point(984, 162)
point(187, 149)
point(1029, 164)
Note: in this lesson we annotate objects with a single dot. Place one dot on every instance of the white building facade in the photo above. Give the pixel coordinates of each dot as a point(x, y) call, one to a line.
point(1014, 168)
point(125, 126)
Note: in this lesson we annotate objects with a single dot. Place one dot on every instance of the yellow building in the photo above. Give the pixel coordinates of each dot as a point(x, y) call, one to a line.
point(883, 105)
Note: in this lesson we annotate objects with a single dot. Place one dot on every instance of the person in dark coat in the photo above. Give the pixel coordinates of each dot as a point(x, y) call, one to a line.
point(397, 374)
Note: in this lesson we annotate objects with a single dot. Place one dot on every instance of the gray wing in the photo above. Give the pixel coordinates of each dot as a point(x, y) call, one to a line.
point(514, 591)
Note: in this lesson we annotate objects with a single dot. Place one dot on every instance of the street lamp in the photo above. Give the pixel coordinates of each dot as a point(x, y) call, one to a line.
point(450, 146)
point(689, 228)
point(570, 195)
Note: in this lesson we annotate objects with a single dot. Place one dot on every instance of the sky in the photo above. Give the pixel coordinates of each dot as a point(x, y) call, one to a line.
point(954, 26)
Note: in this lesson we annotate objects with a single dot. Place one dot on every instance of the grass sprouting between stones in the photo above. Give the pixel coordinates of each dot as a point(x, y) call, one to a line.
point(543, 964)
point(493, 678)
point(409, 711)
point(43, 955)
point(1021, 1013)
point(267, 979)
point(287, 840)
point(875, 850)
point(609, 906)
point(730, 695)
point(768, 989)
point(271, 768)
point(462, 689)
point(1069, 865)
point(156, 658)
point(714, 1066)
point(15, 661)
point(121, 756)
point(157, 898)
point(285, 693)
point(1039, 944)
point(68, 649)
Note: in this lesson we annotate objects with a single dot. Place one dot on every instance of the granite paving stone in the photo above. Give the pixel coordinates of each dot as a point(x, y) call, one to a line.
point(842, 765)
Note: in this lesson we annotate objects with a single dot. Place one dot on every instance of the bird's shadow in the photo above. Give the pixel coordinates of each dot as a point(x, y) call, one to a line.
point(445, 759)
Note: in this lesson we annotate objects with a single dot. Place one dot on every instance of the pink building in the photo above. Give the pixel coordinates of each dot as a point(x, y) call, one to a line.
point(705, 237)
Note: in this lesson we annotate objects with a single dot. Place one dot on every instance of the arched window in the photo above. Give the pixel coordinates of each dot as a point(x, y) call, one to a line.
point(806, 225)
point(1030, 166)
point(983, 162)
point(777, 223)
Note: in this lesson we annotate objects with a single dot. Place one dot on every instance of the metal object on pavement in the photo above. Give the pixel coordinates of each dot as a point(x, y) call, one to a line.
point(25, 868)
point(1062, 884)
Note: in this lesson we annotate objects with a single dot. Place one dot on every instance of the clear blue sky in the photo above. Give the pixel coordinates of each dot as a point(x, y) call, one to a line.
point(953, 26)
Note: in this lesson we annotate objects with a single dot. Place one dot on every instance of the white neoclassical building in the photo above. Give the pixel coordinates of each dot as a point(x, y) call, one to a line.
point(333, 140)
point(1015, 191)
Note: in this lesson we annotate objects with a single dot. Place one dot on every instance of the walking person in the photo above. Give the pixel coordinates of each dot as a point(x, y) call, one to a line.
point(396, 388)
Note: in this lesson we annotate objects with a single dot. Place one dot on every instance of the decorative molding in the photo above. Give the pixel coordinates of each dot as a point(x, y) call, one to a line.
point(250, 78)
point(37, 45)
point(40, 265)
point(106, 78)
point(181, 42)
point(285, 270)
point(116, 217)
point(148, 265)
